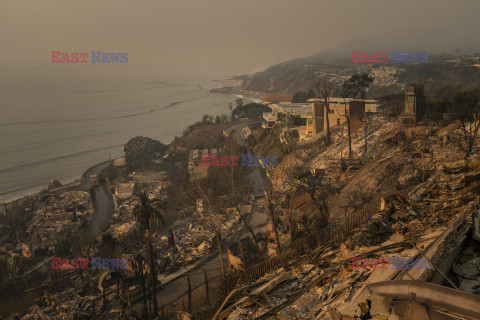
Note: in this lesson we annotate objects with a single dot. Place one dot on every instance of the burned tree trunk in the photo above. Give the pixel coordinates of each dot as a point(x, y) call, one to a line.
point(172, 245)
point(153, 278)
point(221, 262)
point(271, 214)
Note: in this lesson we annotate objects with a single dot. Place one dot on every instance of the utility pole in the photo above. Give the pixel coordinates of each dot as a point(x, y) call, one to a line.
point(366, 132)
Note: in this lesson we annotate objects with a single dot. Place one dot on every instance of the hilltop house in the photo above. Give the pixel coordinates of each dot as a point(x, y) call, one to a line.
point(277, 98)
point(311, 117)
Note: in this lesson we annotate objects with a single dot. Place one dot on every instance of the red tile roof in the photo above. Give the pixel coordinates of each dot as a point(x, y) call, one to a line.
point(280, 97)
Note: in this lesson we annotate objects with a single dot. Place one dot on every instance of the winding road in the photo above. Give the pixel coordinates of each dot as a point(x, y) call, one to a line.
point(175, 286)
point(102, 206)
point(176, 289)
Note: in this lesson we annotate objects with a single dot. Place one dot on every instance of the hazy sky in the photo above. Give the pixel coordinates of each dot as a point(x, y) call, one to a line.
point(213, 36)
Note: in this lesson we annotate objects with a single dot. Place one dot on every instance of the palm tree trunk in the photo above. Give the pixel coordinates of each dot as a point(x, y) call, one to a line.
point(172, 244)
point(144, 296)
point(154, 278)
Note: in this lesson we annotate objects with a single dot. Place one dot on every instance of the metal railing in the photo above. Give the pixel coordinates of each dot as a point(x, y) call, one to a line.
point(329, 234)
point(289, 255)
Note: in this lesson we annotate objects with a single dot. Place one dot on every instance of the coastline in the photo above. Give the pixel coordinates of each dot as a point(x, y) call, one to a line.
point(254, 96)
point(121, 111)
point(76, 183)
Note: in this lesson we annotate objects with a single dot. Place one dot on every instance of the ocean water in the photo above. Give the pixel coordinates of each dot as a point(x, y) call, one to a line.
point(55, 125)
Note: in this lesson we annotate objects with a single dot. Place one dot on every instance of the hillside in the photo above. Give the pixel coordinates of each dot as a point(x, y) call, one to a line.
point(298, 74)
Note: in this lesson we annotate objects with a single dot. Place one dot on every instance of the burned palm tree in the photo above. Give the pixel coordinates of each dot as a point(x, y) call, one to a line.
point(147, 213)
point(138, 268)
point(172, 245)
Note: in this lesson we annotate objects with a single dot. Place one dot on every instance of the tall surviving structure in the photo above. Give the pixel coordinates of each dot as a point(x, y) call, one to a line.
point(409, 112)
point(310, 119)
point(415, 103)
point(410, 101)
point(357, 113)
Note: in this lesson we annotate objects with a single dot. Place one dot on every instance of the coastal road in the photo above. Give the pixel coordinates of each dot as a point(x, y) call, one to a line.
point(102, 206)
point(236, 131)
point(254, 175)
point(256, 219)
point(176, 289)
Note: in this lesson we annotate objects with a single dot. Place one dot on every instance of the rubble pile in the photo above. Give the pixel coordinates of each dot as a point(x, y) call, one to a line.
point(435, 221)
point(466, 268)
point(328, 282)
point(423, 240)
point(67, 304)
point(75, 302)
point(381, 133)
point(194, 236)
point(195, 240)
point(121, 222)
point(60, 214)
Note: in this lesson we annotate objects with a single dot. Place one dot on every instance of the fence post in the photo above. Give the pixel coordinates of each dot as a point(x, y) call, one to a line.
point(129, 301)
point(104, 300)
point(189, 293)
point(206, 286)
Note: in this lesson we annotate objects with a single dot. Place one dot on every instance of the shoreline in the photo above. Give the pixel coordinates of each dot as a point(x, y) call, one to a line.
point(28, 193)
point(252, 95)
point(69, 184)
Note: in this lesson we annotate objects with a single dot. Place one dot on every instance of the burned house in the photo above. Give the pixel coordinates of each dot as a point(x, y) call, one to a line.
point(196, 169)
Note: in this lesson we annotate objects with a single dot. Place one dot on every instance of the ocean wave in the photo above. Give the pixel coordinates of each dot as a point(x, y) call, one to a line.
point(74, 154)
point(97, 118)
point(65, 156)
point(16, 192)
point(157, 85)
